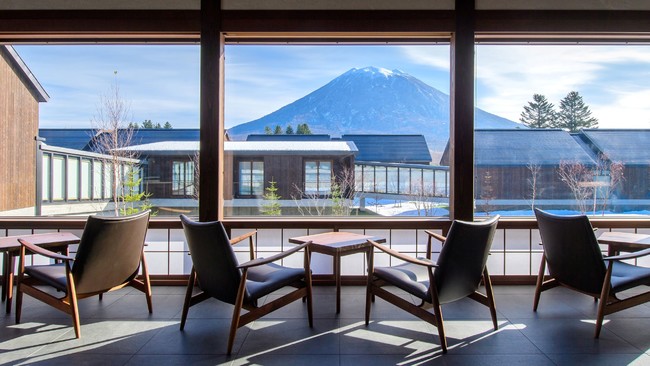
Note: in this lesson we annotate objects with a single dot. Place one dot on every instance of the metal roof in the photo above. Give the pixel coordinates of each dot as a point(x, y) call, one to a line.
point(71, 138)
point(283, 137)
point(312, 148)
point(628, 146)
point(391, 148)
point(524, 146)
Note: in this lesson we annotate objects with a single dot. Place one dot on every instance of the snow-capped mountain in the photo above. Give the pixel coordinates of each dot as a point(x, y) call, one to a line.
point(371, 101)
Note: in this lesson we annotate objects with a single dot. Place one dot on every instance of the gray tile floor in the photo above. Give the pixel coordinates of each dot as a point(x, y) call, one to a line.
point(120, 331)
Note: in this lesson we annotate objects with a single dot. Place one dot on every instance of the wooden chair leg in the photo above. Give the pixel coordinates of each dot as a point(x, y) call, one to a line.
point(441, 327)
point(234, 325)
point(435, 302)
point(21, 277)
point(72, 301)
point(19, 303)
point(604, 297)
point(369, 296)
point(490, 298)
point(147, 283)
point(188, 297)
point(540, 281)
point(10, 282)
point(310, 309)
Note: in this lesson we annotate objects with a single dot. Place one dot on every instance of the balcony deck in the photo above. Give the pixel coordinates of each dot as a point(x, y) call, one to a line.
point(119, 331)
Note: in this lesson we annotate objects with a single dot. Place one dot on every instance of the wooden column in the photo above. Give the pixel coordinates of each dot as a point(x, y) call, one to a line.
point(212, 126)
point(462, 112)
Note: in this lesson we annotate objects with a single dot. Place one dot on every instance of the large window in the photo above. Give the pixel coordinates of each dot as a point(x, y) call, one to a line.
point(318, 178)
point(73, 97)
point(183, 178)
point(569, 130)
point(251, 178)
point(337, 124)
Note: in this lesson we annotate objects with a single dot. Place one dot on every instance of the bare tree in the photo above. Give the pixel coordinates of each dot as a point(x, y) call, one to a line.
point(340, 199)
point(578, 178)
point(613, 171)
point(487, 192)
point(533, 183)
point(424, 198)
point(112, 135)
point(309, 204)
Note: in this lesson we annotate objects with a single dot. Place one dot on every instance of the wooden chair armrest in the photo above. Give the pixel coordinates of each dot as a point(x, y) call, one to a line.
point(404, 257)
point(236, 240)
point(631, 255)
point(42, 251)
point(436, 235)
point(273, 258)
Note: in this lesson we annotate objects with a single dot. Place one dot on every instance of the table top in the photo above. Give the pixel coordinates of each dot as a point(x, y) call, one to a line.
point(338, 240)
point(9, 243)
point(625, 241)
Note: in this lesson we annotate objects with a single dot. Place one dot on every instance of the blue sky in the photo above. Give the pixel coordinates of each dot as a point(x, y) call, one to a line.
point(161, 83)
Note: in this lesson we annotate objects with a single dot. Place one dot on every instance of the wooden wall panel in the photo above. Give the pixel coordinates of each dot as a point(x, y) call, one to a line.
point(18, 126)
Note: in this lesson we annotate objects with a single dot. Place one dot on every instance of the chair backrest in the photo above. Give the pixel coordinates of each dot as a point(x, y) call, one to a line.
point(572, 252)
point(463, 257)
point(109, 252)
point(214, 260)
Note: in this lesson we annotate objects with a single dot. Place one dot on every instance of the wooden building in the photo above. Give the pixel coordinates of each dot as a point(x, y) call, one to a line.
point(631, 147)
point(505, 159)
point(298, 168)
point(20, 94)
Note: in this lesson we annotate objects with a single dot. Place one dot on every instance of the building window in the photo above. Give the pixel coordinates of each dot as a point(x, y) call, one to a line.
point(251, 178)
point(318, 177)
point(183, 178)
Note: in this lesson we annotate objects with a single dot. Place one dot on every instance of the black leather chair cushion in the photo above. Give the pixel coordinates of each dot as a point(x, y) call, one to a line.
point(409, 277)
point(51, 274)
point(626, 276)
point(263, 280)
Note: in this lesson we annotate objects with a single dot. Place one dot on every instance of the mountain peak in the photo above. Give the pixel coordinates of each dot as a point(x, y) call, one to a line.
point(371, 100)
point(372, 70)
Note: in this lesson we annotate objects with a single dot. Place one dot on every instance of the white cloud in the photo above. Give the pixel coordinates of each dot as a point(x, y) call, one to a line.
point(508, 76)
point(437, 57)
point(628, 110)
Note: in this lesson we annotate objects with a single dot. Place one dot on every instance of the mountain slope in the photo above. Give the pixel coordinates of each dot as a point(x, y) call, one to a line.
point(372, 101)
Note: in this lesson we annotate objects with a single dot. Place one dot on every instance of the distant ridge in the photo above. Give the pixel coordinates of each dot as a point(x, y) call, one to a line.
point(374, 101)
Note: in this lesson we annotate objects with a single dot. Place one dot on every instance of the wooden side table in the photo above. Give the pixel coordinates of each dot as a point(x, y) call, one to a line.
point(338, 244)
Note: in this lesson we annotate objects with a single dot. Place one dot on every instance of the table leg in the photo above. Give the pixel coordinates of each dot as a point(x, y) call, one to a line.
point(337, 277)
point(5, 269)
point(10, 281)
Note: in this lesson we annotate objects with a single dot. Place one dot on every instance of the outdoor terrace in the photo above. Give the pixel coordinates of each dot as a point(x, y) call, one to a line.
point(119, 331)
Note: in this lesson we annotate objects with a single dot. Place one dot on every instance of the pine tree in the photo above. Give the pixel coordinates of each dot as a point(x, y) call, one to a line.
point(303, 129)
point(539, 113)
point(147, 123)
point(271, 205)
point(267, 130)
point(168, 125)
point(289, 130)
point(278, 130)
point(574, 114)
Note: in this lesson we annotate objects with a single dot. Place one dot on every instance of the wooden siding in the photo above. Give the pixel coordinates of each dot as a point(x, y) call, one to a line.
point(288, 171)
point(18, 127)
point(158, 179)
point(636, 183)
point(512, 182)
